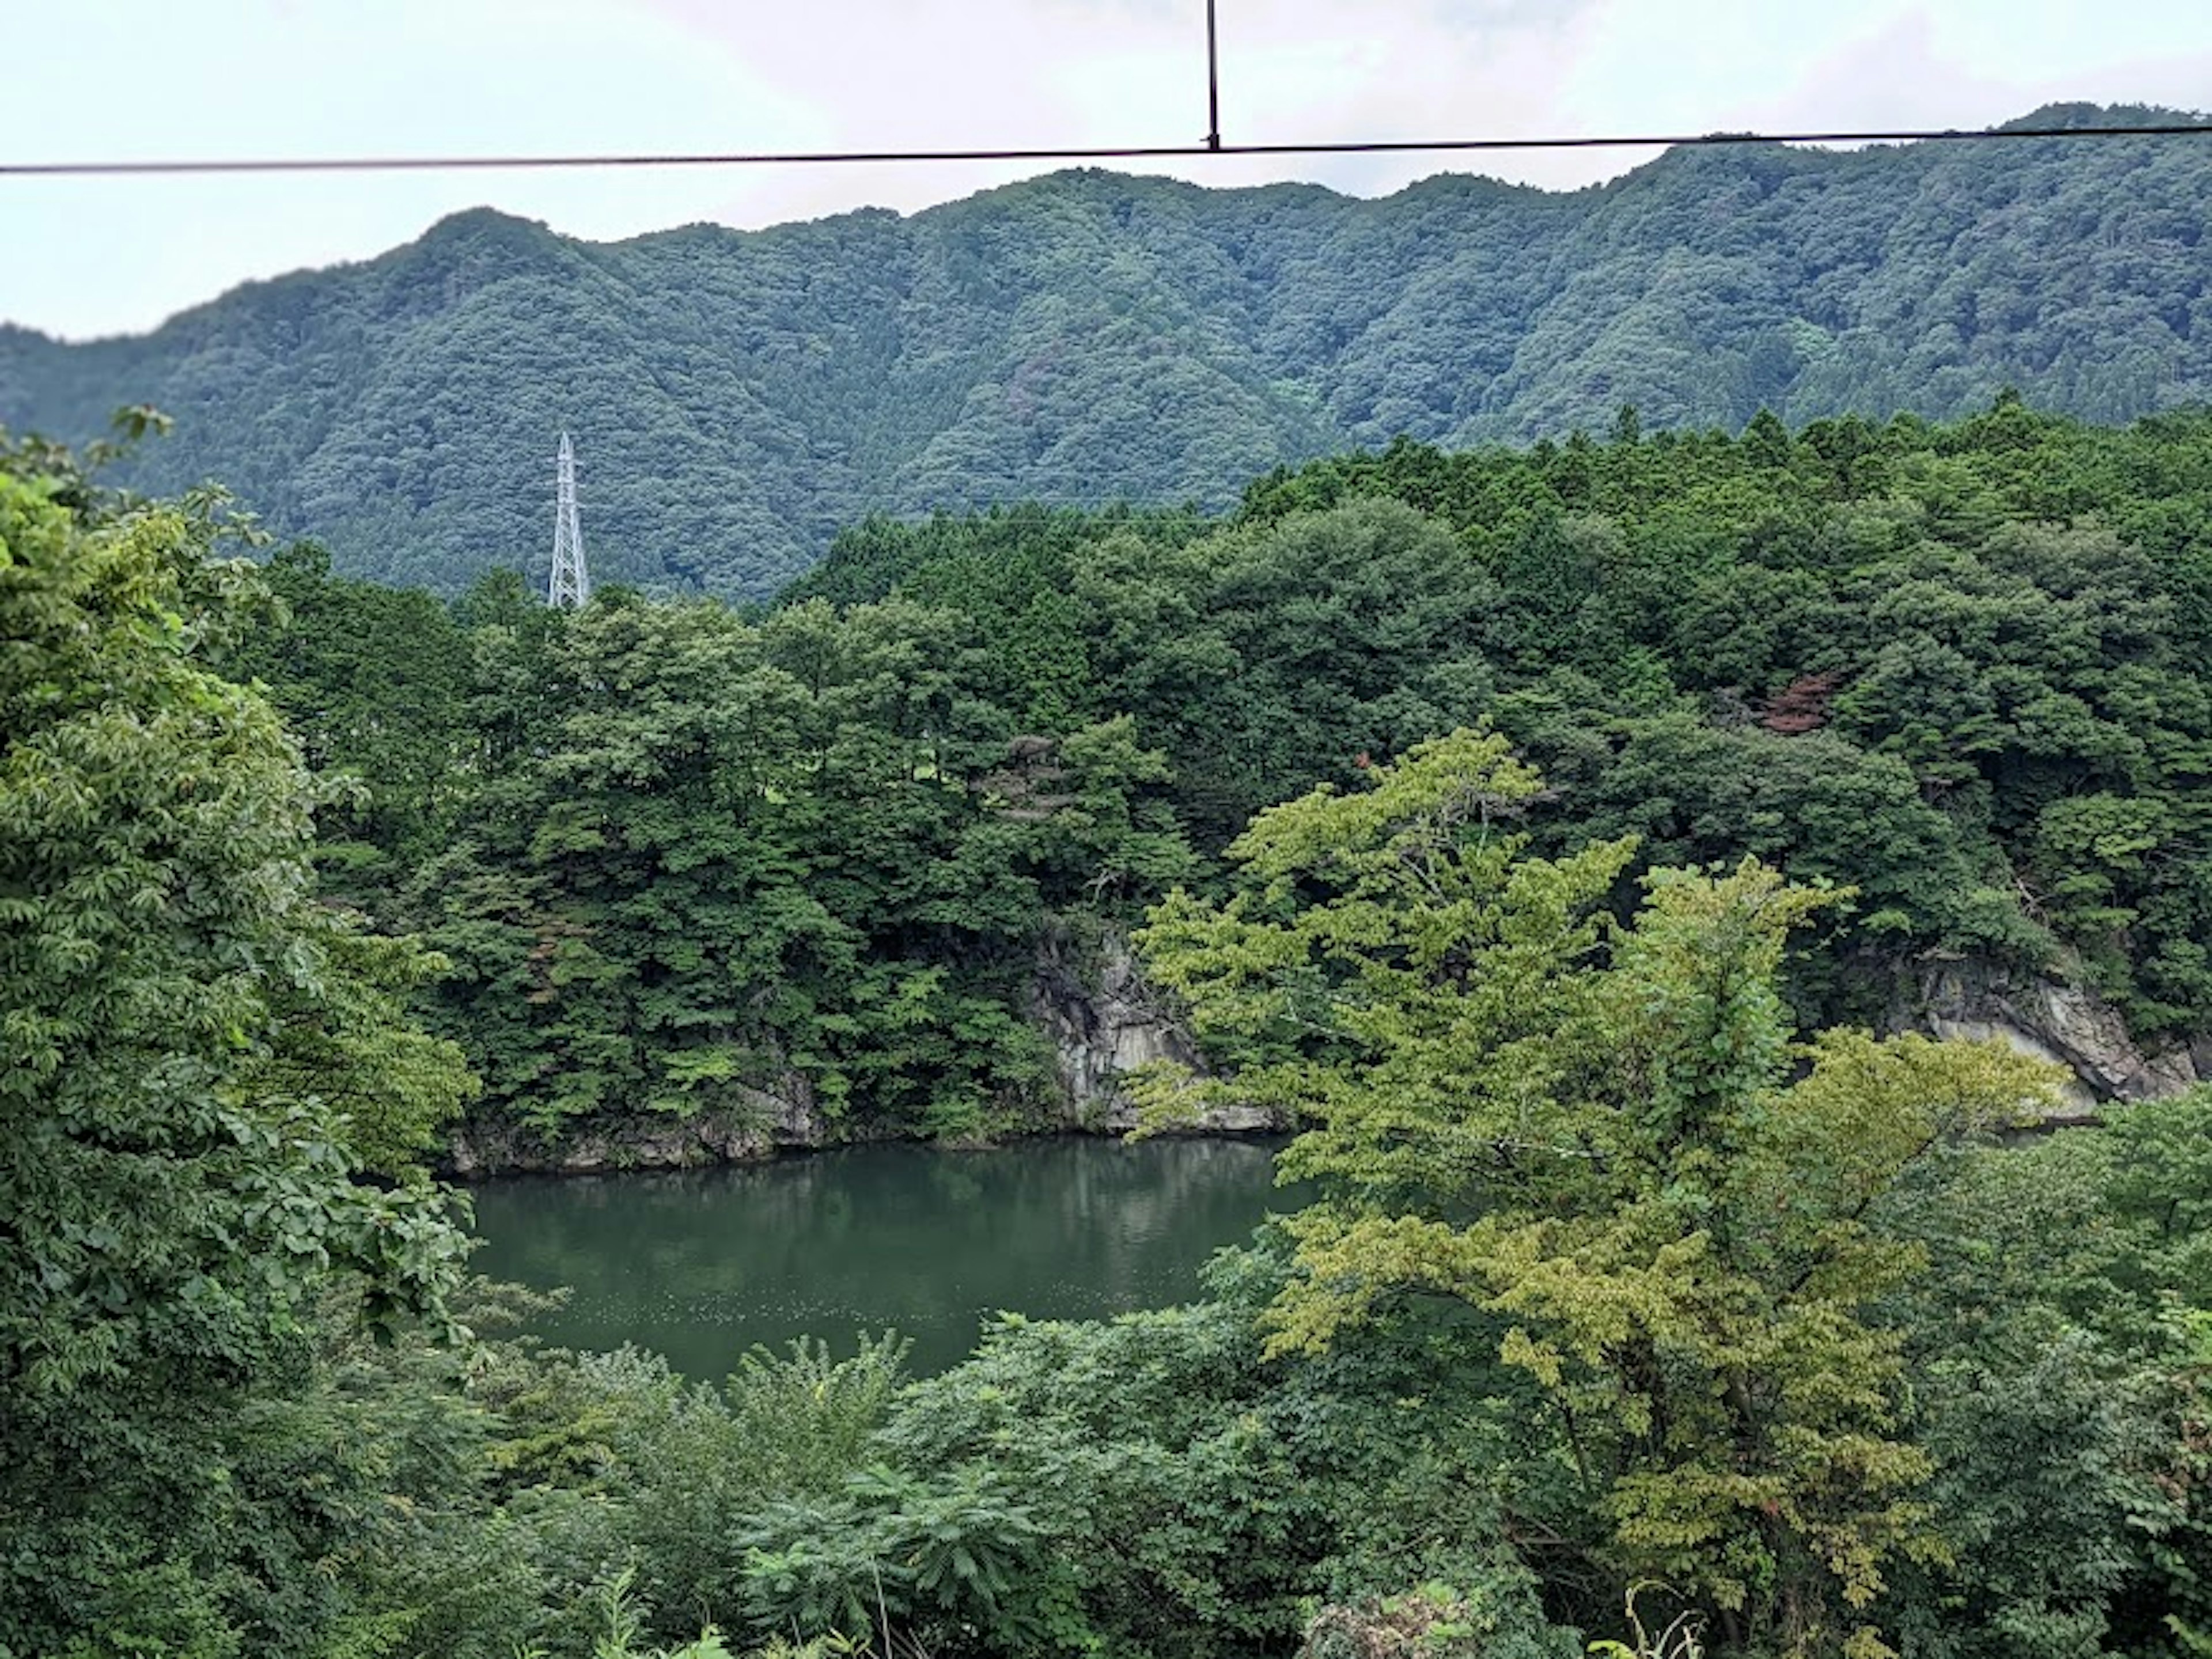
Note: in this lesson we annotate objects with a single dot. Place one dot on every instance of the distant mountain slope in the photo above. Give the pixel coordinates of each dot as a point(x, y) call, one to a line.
point(1085, 336)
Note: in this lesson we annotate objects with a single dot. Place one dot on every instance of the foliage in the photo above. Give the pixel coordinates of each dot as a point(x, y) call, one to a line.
point(959, 1560)
point(1088, 337)
point(699, 863)
point(1944, 666)
point(2057, 1360)
point(1201, 1499)
point(1618, 1288)
point(1430, 1622)
point(805, 1417)
point(1597, 1135)
point(209, 1102)
point(735, 864)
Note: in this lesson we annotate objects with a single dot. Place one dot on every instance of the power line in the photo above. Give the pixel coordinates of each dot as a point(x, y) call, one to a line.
point(1212, 83)
point(145, 167)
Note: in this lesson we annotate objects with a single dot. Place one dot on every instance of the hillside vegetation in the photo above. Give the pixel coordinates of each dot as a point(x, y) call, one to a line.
point(1647, 1307)
point(1089, 338)
point(678, 853)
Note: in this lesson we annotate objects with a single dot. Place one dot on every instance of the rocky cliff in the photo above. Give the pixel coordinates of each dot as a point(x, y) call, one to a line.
point(1088, 1000)
point(1103, 1023)
point(2057, 1020)
point(763, 1125)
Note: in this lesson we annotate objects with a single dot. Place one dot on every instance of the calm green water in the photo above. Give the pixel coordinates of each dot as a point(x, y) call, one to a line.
point(702, 1264)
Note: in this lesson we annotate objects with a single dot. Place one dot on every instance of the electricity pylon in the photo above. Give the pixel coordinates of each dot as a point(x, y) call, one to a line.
point(571, 584)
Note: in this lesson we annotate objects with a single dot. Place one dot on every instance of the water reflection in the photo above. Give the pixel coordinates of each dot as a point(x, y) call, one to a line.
point(701, 1264)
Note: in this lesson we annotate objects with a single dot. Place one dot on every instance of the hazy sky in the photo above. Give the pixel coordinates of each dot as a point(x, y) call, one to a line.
point(170, 78)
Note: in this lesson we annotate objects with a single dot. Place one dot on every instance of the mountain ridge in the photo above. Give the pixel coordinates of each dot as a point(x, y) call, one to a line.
point(1088, 335)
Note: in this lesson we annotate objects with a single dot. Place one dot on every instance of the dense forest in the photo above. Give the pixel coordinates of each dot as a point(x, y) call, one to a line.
point(1563, 839)
point(1087, 337)
point(689, 859)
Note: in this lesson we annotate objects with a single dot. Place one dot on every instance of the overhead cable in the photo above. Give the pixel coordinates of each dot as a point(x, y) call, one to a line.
point(147, 166)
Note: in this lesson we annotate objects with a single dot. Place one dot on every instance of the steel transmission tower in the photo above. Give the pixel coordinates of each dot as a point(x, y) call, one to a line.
point(571, 584)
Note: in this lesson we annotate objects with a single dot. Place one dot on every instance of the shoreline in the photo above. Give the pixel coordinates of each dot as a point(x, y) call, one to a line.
point(562, 1159)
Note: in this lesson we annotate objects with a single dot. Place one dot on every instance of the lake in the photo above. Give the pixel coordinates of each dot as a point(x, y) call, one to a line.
point(701, 1264)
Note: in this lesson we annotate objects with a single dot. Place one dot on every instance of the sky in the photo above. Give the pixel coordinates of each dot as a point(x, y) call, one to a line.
point(85, 256)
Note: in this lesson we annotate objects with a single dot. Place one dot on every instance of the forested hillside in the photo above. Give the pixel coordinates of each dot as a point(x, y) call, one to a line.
point(1649, 1306)
point(685, 860)
point(1089, 338)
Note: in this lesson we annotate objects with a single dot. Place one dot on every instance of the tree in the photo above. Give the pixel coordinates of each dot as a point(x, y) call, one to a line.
point(1602, 1138)
point(371, 681)
point(185, 1034)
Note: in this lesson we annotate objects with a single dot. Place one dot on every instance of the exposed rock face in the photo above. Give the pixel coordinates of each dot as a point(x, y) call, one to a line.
point(2056, 1020)
point(1103, 1023)
point(761, 1127)
point(1092, 1006)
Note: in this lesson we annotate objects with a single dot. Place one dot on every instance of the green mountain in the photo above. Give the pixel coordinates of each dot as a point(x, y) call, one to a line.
point(1089, 337)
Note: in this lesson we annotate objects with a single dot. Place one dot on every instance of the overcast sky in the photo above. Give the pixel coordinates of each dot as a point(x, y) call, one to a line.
point(173, 78)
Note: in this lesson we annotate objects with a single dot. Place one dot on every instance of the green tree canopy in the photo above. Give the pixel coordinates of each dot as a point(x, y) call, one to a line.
point(196, 1056)
point(1602, 1138)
